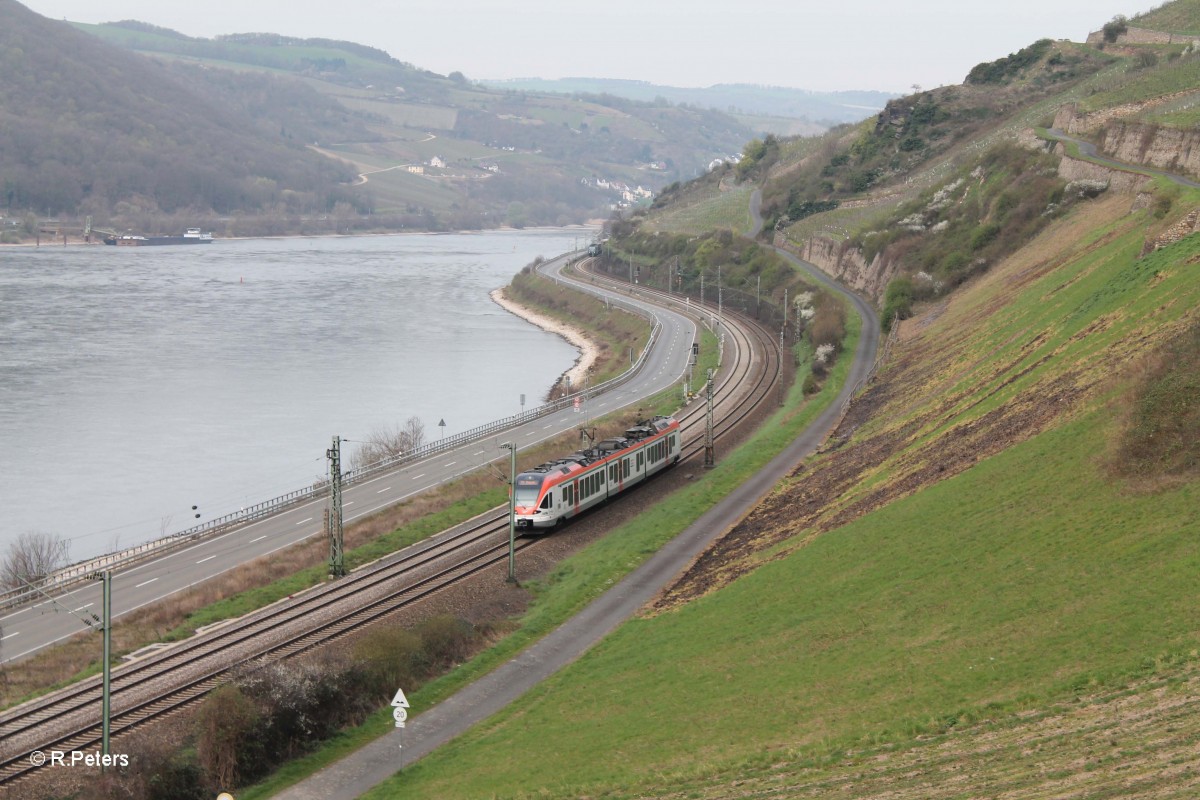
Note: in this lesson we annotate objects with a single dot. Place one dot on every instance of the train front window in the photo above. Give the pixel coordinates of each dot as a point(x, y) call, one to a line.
point(528, 489)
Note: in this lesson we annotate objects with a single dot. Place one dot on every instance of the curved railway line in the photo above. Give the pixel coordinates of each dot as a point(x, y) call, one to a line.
point(169, 679)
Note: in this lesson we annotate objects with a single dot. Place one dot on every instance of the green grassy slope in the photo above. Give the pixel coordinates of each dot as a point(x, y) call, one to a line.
point(1179, 16)
point(930, 614)
point(965, 557)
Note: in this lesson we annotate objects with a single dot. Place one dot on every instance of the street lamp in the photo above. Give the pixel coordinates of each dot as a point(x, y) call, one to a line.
point(512, 510)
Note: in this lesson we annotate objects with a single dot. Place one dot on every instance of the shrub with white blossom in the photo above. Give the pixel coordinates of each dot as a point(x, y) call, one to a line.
point(1086, 187)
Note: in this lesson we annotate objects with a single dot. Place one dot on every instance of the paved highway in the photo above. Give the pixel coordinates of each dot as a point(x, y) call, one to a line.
point(26, 630)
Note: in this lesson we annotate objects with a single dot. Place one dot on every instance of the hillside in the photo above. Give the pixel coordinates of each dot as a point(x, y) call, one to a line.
point(90, 129)
point(400, 147)
point(983, 586)
point(819, 109)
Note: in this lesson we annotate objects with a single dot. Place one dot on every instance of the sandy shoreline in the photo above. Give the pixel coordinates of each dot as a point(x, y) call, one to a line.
point(587, 348)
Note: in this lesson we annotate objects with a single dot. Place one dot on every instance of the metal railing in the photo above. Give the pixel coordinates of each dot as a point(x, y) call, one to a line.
point(319, 489)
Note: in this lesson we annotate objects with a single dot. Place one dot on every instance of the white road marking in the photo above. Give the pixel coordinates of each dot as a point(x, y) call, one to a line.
point(209, 558)
point(259, 539)
point(14, 633)
point(418, 477)
point(451, 464)
point(481, 452)
point(145, 583)
point(301, 522)
point(381, 491)
point(89, 605)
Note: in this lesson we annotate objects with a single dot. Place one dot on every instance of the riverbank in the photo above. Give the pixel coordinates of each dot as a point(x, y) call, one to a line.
point(77, 240)
point(588, 349)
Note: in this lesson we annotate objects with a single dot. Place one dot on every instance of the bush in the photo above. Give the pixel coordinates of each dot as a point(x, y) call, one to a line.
point(1005, 69)
point(828, 326)
point(1115, 27)
point(1163, 201)
point(984, 235)
point(1162, 429)
point(227, 743)
point(393, 658)
point(897, 301)
point(1145, 59)
point(447, 640)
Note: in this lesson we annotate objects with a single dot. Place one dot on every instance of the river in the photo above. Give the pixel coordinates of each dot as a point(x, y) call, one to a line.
point(138, 382)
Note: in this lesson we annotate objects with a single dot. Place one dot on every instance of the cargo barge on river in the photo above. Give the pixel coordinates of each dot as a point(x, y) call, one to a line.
point(192, 236)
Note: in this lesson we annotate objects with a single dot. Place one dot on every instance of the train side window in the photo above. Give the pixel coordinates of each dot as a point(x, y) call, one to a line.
point(625, 467)
point(547, 501)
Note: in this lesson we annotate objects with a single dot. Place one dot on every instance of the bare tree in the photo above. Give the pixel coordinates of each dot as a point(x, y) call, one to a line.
point(414, 429)
point(385, 443)
point(33, 556)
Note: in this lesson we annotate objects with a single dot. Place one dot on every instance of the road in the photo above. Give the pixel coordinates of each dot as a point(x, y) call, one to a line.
point(367, 767)
point(26, 630)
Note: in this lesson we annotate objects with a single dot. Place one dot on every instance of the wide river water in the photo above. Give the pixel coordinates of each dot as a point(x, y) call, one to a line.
point(138, 382)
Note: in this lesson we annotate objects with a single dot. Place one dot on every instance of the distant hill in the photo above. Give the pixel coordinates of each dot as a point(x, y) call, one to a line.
point(828, 108)
point(91, 129)
point(404, 148)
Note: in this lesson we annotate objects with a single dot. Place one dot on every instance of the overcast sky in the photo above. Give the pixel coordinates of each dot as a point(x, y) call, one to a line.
point(828, 45)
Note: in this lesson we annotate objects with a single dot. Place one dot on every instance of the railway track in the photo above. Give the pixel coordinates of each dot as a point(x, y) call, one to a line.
point(741, 389)
point(164, 682)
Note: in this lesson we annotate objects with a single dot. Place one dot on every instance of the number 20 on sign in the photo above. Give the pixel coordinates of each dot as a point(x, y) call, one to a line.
point(400, 703)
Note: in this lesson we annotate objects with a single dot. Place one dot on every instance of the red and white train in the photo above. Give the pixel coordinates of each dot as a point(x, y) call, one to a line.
point(558, 490)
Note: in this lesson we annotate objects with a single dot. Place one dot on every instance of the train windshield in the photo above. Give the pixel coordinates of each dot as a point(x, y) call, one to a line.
point(528, 489)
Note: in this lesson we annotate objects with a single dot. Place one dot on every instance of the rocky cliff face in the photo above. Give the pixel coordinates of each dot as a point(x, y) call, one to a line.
point(844, 263)
point(1073, 169)
point(1168, 149)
